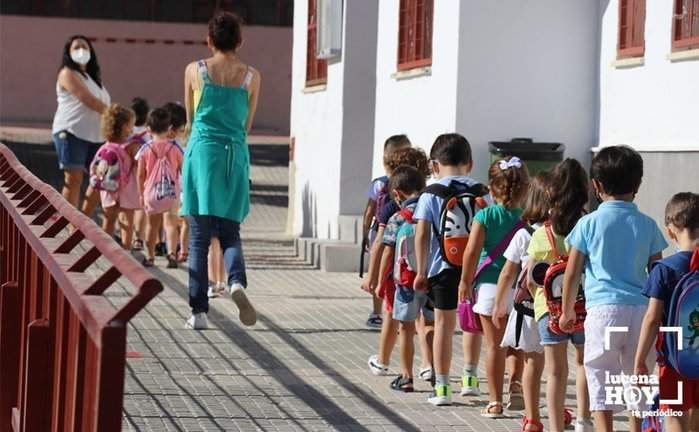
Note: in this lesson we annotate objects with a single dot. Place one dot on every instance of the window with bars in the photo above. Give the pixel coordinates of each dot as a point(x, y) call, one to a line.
point(685, 25)
point(316, 69)
point(632, 23)
point(415, 34)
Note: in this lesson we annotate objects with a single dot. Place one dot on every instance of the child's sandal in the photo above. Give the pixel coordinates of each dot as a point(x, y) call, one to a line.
point(403, 384)
point(137, 245)
point(528, 424)
point(567, 417)
point(516, 400)
point(491, 413)
point(148, 262)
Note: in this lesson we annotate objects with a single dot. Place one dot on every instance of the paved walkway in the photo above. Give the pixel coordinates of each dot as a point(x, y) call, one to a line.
point(301, 367)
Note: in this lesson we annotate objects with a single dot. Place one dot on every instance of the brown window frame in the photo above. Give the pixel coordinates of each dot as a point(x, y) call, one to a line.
point(415, 25)
point(316, 69)
point(631, 41)
point(684, 13)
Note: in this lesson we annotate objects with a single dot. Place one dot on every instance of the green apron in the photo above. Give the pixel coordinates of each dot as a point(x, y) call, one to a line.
point(215, 174)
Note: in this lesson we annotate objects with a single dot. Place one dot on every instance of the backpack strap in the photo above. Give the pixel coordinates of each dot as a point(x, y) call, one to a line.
point(552, 239)
point(407, 215)
point(203, 71)
point(499, 248)
point(442, 191)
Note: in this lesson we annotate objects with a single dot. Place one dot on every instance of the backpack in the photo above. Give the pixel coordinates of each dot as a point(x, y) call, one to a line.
point(405, 262)
point(382, 197)
point(162, 187)
point(523, 300)
point(684, 313)
point(653, 423)
point(460, 203)
point(106, 167)
point(553, 288)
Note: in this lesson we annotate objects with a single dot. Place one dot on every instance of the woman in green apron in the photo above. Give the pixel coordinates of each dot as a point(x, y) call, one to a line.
point(220, 98)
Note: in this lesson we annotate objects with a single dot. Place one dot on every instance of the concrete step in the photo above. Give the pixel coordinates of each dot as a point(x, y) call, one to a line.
point(329, 255)
point(350, 228)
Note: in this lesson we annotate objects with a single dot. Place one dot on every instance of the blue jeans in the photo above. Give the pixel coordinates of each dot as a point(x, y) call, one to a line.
point(201, 229)
point(74, 153)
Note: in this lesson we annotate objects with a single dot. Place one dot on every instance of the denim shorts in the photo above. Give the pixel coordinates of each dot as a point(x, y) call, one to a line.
point(74, 153)
point(550, 338)
point(408, 304)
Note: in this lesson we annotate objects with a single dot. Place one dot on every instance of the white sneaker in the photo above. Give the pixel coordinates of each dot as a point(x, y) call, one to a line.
point(470, 386)
point(584, 425)
point(196, 322)
point(441, 395)
point(216, 290)
point(247, 314)
point(375, 367)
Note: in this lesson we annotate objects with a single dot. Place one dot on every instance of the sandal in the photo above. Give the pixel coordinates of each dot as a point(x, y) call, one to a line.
point(527, 422)
point(488, 411)
point(172, 262)
point(148, 262)
point(425, 374)
point(516, 400)
point(403, 384)
point(567, 417)
point(137, 245)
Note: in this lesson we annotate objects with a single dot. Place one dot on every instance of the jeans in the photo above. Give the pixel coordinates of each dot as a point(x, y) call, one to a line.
point(201, 229)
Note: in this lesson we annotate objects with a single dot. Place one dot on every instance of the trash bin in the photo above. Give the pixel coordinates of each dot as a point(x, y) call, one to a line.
point(537, 156)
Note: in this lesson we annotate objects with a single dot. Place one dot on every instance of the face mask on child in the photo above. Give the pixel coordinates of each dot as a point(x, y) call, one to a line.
point(80, 56)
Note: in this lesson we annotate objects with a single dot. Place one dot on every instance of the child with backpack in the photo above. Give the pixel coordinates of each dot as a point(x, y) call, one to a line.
point(492, 230)
point(614, 245)
point(444, 213)
point(159, 168)
point(113, 173)
point(178, 122)
point(385, 287)
point(378, 197)
point(521, 331)
point(568, 196)
point(673, 290)
point(399, 239)
point(140, 134)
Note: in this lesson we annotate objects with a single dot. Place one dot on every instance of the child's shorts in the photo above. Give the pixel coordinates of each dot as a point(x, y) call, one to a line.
point(617, 357)
point(669, 380)
point(485, 299)
point(529, 340)
point(408, 304)
point(444, 289)
point(550, 338)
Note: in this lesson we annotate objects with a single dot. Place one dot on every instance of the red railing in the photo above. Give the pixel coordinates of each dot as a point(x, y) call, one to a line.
point(62, 342)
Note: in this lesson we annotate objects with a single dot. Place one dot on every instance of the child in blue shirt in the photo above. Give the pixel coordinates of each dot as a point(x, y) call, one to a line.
point(682, 226)
point(614, 245)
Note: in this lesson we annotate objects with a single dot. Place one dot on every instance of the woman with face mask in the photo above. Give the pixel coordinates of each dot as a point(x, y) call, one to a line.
point(76, 125)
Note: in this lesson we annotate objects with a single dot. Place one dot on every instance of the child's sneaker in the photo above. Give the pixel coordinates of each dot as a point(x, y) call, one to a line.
point(584, 425)
point(441, 396)
point(426, 374)
point(375, 367)
point(374, 321)
point(196, 322)
point(216, 290)
point(469, 386)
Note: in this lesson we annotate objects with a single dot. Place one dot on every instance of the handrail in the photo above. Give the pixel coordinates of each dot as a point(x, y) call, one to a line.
point(46, 291)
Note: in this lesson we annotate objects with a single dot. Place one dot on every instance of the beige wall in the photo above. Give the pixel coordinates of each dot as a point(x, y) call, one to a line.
point(30, 53)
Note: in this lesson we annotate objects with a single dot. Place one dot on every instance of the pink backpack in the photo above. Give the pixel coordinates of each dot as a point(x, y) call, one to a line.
point(107, 166)
point(162, 185)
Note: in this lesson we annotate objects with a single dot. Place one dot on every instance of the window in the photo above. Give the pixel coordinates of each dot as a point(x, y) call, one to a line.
point(632, 23)
point(415, 34)
point(685, 25)
point(316, 69)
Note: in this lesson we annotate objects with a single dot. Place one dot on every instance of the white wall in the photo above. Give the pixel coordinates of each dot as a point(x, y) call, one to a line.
point(333, 128)
point(421, 107)
point(528, 69)
point(652, 107)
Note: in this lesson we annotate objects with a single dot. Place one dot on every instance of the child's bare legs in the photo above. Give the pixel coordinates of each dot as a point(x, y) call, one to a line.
point(495, 358)
point(531, 383)
point(126, 227)
point(425, 333)
point(140, 224)
point(155, 222)
point(172, 237)
point(603, 421)
point(184, 237)
point(581, 393)
point(407, 348)
point(92, 198)
point(515, 366)
point(557, 361)
point(471, 344)
point(376, 304)
point(110, 217)
point(387, 340)
point(678, 424)
point(217, 272)
point(444, 324)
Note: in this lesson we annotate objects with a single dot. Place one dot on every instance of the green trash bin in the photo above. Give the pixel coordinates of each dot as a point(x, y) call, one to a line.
point(537, 156)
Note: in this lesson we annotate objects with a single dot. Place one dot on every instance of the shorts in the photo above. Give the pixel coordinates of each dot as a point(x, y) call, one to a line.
point(444, 289)
point(669, 380)
point(618, 357)
point(485, 299)
point(408, 304)
point(550, 338)
point(175, 211)
point(389, 295)
point(529, 340)
point(74, 153)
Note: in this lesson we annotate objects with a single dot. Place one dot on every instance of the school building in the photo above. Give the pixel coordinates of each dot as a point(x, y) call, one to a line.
point(587, 74)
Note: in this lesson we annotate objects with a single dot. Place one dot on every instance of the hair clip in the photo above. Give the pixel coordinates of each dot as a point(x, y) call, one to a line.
point(514, 162)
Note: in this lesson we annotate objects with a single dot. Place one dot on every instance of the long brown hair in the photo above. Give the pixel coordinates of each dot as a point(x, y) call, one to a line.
point(569, 194)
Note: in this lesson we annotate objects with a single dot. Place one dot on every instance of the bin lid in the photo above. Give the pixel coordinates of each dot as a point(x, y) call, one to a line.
point(526, 148)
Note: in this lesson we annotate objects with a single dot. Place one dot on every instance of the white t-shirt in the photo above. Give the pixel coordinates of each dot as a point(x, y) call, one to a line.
point(517, 249)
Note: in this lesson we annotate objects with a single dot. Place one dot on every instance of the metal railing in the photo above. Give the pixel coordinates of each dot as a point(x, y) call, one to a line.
point(62, 342)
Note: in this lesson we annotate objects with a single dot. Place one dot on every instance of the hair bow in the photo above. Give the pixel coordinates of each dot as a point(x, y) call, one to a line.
point(514, 162)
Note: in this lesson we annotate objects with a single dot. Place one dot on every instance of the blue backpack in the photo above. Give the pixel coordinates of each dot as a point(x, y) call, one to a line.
point(653, 423)
point(405, 262)
point(684, 313)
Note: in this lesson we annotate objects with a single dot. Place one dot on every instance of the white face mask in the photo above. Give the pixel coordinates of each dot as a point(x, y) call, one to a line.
point(80, 56)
